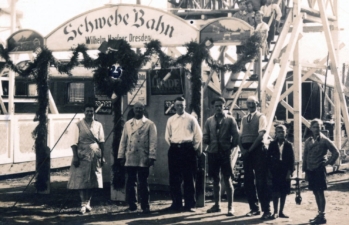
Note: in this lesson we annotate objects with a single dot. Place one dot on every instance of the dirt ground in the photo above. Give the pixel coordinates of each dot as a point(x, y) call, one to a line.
point(44, 209)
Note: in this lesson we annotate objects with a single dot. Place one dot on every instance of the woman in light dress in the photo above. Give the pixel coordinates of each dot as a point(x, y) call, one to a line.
point(86, 168)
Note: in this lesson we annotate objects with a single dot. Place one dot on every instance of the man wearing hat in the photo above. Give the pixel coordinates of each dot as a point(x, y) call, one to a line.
point(253, 128)
point(221, 134)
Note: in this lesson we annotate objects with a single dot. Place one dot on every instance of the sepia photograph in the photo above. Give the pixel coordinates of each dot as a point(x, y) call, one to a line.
point(145, 112)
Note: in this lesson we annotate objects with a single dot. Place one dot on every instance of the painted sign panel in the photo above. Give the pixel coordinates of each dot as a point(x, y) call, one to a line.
point(103, 104)
point(166, 82)
point(139, 93)
point(168, 107)
point(133, 23)
point(25, 40)
point(227, 30)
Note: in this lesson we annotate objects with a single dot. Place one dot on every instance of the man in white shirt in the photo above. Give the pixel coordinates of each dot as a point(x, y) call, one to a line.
point(253, 128)
point(184, 136)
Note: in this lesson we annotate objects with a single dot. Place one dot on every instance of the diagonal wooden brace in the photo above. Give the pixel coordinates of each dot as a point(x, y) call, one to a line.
point(334, 64)
point(298, 26)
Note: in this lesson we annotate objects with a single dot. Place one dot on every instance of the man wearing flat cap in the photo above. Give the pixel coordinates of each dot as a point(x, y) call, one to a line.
point(253, 128)
point(221, 134)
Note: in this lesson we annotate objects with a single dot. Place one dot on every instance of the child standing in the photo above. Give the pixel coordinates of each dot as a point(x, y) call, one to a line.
point(314, 163)
point(281, 166)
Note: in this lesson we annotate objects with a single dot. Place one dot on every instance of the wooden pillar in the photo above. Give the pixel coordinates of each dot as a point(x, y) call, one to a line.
point(275, 99)
point(13, 15)
point(333, 52)
point(337, 110)
point(11, 109)
point(259, 89)
point(221, 60)
point(297, 93)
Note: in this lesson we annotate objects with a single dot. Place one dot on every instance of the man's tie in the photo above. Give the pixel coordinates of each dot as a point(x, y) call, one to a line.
point(249, 117)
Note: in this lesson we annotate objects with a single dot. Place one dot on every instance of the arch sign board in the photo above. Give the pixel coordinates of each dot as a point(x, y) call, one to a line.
point(226, 31)
point(25, 40)
point(134, 23)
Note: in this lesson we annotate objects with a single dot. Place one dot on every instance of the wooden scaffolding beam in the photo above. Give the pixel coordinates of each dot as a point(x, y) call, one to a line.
point(298, 26)
point(333, 51)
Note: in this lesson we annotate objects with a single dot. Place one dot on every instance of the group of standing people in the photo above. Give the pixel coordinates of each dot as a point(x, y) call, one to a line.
point(262, 166)
point(258, 16)
point(222, 135)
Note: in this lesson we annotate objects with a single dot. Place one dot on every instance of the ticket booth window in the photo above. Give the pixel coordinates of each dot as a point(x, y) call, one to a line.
point(76, 92)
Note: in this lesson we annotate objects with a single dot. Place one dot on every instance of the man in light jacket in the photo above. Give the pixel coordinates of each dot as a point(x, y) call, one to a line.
point(137, 151)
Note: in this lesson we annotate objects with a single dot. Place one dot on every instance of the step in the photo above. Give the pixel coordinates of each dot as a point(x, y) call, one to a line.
point(245, 89)
point(245, 80)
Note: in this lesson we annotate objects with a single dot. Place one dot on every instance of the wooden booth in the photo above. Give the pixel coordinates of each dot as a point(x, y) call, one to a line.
point(156, 87)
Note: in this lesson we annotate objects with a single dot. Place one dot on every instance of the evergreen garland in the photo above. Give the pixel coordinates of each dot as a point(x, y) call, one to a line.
point(131, 62)
point(38, 69)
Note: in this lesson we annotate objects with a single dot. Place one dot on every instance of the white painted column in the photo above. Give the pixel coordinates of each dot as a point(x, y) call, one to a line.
point(297, 93)
point(337, 110)
point(333, 50)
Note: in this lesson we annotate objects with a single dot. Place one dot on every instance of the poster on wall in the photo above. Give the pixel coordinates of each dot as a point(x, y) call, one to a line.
point(139, 93)
point(166, 82)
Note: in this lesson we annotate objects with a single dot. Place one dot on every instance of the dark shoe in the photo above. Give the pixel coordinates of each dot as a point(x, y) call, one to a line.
point(230, 212)
point(214, 209)
point(146, 210)
point(132, 208)
point(318, 220)
point(266, 216)
point(314, 218)
point(282, 215)
point(274, 216)
point(253, 213)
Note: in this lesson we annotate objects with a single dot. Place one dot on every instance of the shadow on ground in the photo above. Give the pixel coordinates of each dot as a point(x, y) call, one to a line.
point(61, 206)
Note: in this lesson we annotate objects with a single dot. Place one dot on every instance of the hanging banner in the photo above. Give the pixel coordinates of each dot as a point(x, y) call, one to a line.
point(25, 40)
point(139, 93)
point(136, 24)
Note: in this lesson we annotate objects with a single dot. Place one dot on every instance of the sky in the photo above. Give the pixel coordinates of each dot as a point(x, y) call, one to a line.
point(45, 15)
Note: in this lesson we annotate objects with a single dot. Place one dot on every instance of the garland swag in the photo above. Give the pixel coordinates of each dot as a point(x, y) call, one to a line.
point(131, 62)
